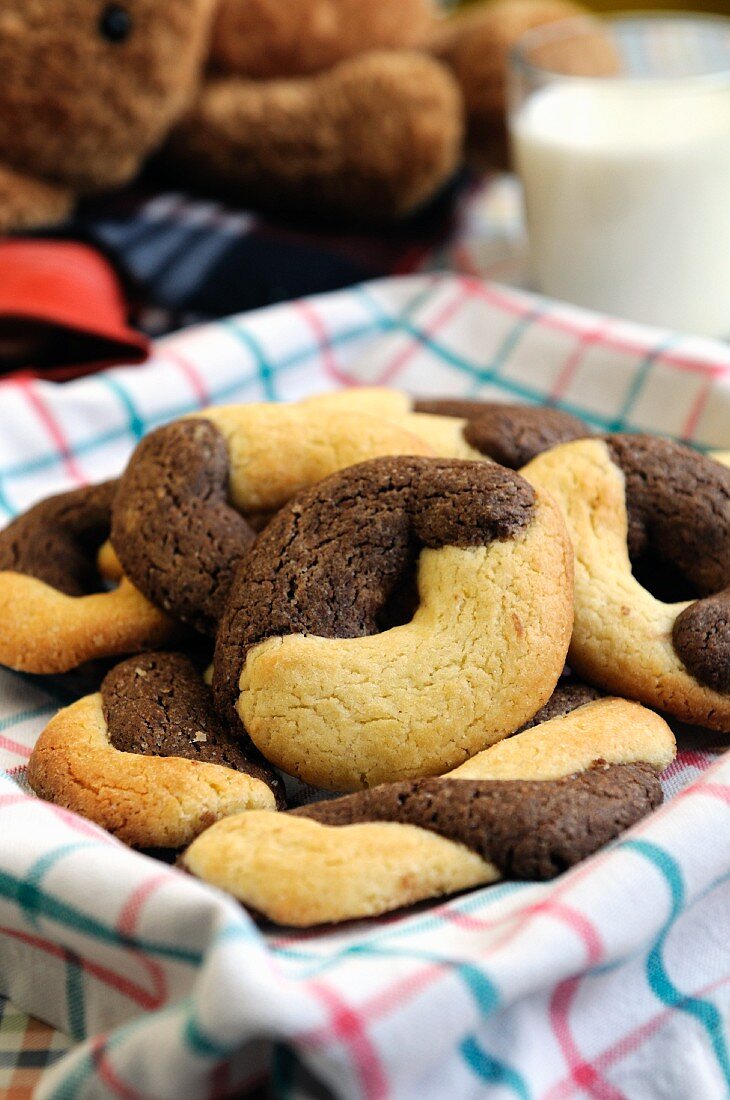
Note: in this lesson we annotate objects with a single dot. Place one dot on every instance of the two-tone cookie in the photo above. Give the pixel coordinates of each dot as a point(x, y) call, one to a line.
point(509, 434)
point(55, 612)
point(529, 807)
point(461, 427)
point(195, 491)
point(650, 524)
point(148, 758)
point(395, 619)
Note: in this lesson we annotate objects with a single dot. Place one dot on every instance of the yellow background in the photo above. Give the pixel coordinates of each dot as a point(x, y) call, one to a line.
point(715, 6)
point(666, 5)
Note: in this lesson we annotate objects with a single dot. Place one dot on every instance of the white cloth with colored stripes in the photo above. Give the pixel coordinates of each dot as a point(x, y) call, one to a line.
point(613, 981)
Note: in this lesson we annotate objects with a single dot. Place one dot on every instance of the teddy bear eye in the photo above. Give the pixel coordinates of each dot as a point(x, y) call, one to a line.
point(115, 23)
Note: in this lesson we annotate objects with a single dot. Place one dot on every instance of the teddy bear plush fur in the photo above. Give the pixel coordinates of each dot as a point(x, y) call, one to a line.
point(275, 38)
point(349, 108)
point(82, 102)
point(325, 105)
point(371, 138)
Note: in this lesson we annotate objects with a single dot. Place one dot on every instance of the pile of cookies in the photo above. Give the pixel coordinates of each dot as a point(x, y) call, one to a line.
point(374, 597)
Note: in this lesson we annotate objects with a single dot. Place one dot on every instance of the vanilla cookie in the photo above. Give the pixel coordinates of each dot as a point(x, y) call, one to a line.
point(573, 733)
point(528, 807)
point(443, 434)
point(395, 619)
point(640, 508)
point(461, 427)
point(148, 758)
point(54, 611)
point(193, 495)
point(108, 564)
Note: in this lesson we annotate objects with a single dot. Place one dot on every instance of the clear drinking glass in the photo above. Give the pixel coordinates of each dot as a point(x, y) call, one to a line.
point(620, 132)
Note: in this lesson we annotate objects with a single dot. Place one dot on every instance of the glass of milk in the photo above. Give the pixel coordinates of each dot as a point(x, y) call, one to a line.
point(620, 131)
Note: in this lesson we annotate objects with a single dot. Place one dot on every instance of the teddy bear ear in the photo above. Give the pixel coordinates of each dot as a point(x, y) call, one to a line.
point(274, 38)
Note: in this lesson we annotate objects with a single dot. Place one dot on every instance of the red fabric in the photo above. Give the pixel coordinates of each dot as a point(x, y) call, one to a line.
point(63, 299)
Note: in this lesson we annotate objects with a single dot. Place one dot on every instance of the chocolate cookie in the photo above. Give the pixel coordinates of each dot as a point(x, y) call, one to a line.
point(569, 695)
point(55, 613)
point(334, 677)
point(641, 507)
point(701, 637)
point(510, 434)
point(195, 491)
point(148, 758)
point(529, 807)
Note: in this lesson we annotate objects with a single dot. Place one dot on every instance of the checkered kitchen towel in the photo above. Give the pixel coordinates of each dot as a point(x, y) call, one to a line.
point(613, 981)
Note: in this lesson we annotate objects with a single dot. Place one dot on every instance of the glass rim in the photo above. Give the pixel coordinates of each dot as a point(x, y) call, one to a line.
point(556, 31)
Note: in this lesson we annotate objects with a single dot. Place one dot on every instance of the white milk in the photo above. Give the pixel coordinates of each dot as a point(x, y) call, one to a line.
point(627, 191)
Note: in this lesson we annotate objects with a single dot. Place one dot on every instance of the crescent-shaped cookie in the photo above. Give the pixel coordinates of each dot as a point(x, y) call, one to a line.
point(54, 611)
point(640, 507)
point(396, 619)
point(528, 807)
point(148, 758)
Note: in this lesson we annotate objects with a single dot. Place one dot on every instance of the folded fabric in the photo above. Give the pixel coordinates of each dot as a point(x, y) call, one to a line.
point(612, 981)
point(194, 259)
point(62, 311)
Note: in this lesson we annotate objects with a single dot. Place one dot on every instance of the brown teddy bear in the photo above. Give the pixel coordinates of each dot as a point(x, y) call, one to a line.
point(89, 88)
point(341, 107)
point(324, 105)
